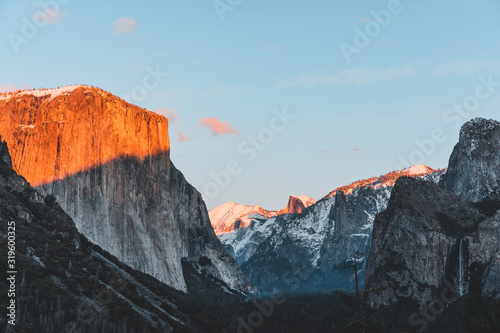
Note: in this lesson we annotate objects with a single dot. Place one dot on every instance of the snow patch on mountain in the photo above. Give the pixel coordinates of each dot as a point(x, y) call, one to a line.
point(307, 201)
point(418, 169)
point(42, 92)
point(241, 242)
point(232, 216)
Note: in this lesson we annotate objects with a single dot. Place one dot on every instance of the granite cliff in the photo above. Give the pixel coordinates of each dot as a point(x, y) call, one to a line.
point(442, 240)
point(64, 283)
point(108, 165)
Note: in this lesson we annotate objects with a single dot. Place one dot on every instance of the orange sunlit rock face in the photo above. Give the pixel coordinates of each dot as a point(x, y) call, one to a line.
point(55, 133)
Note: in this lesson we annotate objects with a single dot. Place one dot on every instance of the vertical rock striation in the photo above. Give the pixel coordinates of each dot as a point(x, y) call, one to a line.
point(416, 242)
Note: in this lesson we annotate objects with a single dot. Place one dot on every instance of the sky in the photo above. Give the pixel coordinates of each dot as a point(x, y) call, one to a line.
point(268, 99)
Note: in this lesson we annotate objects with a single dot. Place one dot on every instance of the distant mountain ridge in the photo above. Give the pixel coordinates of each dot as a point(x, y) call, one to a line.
point(319, 240)
point(232, 216)
point(388, 179)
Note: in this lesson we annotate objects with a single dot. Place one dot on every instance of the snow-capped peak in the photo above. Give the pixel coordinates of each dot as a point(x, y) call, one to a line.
point(230, 216)
point(418, 169)
point(42, 92)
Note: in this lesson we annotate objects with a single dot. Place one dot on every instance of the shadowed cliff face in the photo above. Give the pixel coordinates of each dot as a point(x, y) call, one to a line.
point(431, 239)
point(67, 284)
point(107, 163)
point(415, 242)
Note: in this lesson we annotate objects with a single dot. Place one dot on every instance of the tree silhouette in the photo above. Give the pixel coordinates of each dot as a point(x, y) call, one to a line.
point(361, 324)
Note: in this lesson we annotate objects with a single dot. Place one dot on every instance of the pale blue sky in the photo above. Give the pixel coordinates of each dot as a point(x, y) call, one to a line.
point(353, 119)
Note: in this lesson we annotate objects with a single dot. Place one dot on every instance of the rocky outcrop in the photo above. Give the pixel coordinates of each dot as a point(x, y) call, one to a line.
point(107, 163)
point(474, 166)
point(297, 204)
point(351, 230)
point(432, 238)
point(416, 243)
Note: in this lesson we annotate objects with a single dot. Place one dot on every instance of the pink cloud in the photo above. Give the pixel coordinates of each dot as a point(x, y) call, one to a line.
point(7, 88)
point(354, 150)
point(217, 127)
point(322, 151)
point(124, 25)
point(182, 137)
point(49, 16)
point(55, 14)
point(172, 116)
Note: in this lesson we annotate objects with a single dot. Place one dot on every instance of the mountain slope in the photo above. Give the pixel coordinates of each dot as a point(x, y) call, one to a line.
point(108, 164)
point(231, 216)
point(64, 283)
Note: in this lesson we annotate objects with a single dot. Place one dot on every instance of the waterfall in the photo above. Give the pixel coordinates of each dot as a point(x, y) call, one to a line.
point(462, 279)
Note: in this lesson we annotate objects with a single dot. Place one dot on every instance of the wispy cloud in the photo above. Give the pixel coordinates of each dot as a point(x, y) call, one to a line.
point(460, 67)
point(182, 137)
point(124, 25)
point(355, 76)
point(353, 150)
point(217, 127)
point(170, 114)
point(273, 47)
point(363, 75)
point(322, 151)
